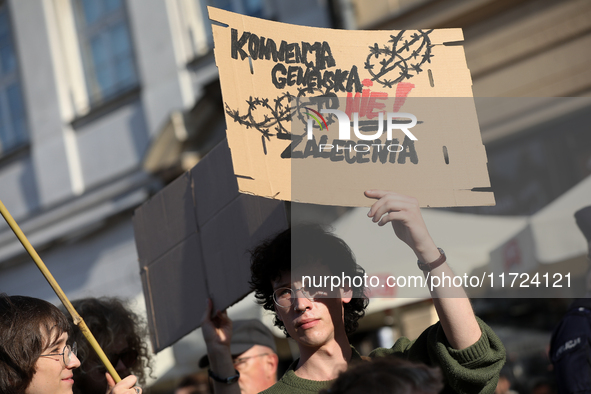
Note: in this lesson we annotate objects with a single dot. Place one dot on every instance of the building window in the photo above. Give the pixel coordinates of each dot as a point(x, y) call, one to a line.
point(254, 8)
point(246, 7)
point(105, 46)
point(13, 124)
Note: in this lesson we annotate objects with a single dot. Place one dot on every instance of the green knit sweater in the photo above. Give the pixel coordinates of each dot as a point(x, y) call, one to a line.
point(471, 370)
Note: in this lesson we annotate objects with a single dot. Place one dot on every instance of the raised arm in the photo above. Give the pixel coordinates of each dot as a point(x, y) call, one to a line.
point(452, 305)
point(217, 333)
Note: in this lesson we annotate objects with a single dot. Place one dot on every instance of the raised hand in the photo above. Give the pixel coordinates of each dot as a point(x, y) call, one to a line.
point(217, 330)
point(405, 215)
point(125, 386)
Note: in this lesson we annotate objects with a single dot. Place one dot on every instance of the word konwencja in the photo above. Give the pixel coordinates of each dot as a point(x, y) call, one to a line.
point(293, 53)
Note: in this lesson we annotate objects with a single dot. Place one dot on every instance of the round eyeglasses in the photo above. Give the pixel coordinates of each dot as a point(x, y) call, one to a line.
point(66, 353)
point(285, 296)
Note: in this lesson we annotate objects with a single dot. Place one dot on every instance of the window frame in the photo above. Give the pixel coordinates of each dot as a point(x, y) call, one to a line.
point(96, 94)
point(8, 80)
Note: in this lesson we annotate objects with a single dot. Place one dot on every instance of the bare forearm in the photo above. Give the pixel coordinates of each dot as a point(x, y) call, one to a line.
point(458, 321)
point(217, 332)
point(453, 307)
point(220, 363)
point(451, 303)
point(454, 310)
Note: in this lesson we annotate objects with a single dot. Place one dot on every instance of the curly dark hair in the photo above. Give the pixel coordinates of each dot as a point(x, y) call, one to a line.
point(114, 326)
point(27, 328)
point(303, 245)
point(388, 375)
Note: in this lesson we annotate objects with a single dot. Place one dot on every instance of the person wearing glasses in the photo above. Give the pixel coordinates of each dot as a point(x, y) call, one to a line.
point(319, 318)
point(36, 354)
point(254, 355)
point(120, 333)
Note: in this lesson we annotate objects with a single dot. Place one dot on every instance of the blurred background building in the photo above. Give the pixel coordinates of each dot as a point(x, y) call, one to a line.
point(104, 102)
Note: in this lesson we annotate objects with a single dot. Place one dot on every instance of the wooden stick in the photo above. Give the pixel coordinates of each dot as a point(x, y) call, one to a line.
point(58, 290)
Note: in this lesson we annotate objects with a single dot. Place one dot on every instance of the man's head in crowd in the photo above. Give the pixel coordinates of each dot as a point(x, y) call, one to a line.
point(277, 268)
point(36, 355)
point(388, 376)
point(254, 354)
point(119, 332)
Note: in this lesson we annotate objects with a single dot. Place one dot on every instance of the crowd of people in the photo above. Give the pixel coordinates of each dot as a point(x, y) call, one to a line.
point(37, 353)
point(42, 352)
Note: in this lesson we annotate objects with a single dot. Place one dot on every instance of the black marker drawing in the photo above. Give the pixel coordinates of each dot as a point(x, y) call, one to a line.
point(272, 117)
point(317, 98)
point(409, 50)
point(263, 115)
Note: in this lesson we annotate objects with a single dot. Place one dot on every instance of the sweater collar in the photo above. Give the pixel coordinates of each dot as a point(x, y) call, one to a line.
point(291, 379)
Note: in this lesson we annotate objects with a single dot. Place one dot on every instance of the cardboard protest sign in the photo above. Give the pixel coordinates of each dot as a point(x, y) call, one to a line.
point(280, 82)
point(193, 239)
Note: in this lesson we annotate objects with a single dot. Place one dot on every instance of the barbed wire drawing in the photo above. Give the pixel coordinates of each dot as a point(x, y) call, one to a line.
point(394, 63)
point(272, 117)
point(269, 118)
point(401, 59)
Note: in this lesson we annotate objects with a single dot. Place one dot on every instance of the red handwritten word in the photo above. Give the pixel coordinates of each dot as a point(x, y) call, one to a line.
point(366, 102)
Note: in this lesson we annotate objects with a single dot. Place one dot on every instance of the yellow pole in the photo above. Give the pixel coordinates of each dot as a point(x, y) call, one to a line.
point(58, 290)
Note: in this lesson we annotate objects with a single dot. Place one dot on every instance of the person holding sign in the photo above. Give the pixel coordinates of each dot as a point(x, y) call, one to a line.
point(35, 354)
point(319, 318)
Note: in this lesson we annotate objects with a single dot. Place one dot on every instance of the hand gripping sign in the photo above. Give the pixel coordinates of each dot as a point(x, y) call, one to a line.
point(320, 115)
